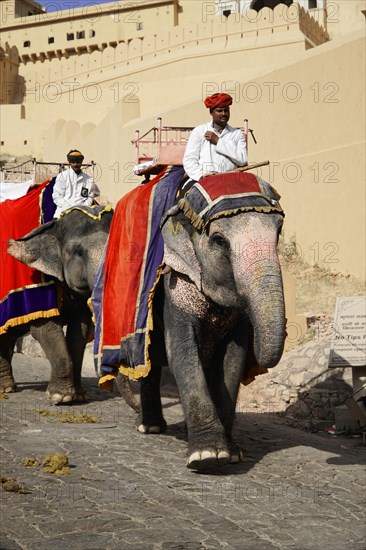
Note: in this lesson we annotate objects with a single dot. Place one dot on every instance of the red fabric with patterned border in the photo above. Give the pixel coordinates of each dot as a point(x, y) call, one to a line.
point(231, 183)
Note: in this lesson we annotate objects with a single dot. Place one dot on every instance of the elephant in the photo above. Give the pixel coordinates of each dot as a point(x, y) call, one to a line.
point(68, 249)
point(222, 304)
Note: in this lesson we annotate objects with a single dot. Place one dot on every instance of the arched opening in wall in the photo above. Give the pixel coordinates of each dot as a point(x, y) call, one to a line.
point(87, 129)
point(129, 103)
point(257, 5)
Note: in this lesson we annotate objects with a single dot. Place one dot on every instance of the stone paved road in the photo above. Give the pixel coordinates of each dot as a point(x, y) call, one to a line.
point(295, 490)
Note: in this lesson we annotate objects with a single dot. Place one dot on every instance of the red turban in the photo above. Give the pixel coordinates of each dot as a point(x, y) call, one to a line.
point(218, 100)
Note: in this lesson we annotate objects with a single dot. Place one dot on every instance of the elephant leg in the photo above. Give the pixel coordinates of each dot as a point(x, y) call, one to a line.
point(49, 333)
point(77, 334)
point(207, 443)
point(7, 343)
point(124, 386)
point(224, 385)
point(151, 419)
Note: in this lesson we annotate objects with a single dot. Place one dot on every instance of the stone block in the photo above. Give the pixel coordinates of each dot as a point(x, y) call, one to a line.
point(299, 409)
point(344, 421)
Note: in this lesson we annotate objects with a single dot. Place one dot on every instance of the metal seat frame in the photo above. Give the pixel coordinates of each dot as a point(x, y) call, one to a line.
point(165, 145)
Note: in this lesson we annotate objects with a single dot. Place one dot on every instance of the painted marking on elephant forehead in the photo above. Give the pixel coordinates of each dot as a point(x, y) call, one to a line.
point(255, 251)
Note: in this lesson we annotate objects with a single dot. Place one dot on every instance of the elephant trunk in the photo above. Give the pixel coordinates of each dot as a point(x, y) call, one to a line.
point(261, 288)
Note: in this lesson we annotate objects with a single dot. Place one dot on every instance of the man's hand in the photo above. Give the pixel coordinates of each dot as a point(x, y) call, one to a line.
point(212, 137)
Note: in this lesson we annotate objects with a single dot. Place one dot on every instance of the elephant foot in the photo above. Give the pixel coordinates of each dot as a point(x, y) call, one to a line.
point(8, 385)
point(236, 454)
point(207, 451)
point(151, 427)
point(208, 460)
point(58, 396)
point(8, 388)
point(80, 395)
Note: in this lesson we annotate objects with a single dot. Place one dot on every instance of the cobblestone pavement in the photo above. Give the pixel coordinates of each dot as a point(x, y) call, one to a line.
point(295, 490)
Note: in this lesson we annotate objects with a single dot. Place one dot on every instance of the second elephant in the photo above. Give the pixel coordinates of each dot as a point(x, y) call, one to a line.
point(70, 250)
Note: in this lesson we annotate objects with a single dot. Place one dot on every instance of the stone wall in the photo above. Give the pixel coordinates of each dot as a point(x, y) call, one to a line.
point(301, 387)
point(11, 82)
point(274, 26)
point(301, 105)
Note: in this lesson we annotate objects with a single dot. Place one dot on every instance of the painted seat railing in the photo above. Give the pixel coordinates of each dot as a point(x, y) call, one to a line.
point(161, 145)
point(17, 179)
point(37, 171)
point(165, 145)
point(19, 173)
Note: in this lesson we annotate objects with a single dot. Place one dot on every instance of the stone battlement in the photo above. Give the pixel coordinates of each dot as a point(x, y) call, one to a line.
point(256, 30)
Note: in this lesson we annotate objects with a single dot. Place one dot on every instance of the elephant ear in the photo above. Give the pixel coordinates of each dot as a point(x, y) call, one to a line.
point(179, 251)
point(40, 249)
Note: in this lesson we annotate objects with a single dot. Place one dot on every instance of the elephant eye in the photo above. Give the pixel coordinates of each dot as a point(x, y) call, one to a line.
point(79, 250)
point(219, 240)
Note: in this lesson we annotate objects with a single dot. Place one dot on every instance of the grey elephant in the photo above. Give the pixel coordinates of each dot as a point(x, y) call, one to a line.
point(221, 300)
point(70, 250)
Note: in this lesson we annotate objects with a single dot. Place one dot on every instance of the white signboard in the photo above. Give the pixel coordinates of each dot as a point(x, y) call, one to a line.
point(348, 346)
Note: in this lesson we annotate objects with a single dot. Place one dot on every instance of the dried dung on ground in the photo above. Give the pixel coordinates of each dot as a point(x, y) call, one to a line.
point(69, 418)
point(31, 462)
point(57, 464)
point(10, 485)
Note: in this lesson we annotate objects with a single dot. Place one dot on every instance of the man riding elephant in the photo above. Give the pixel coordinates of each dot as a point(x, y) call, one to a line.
point(214, 147)
point(73, 187)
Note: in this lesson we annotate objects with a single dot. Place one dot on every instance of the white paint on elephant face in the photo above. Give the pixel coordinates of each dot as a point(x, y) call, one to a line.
point(94, 256)
point(253, 240)
point(255, 253)
point(185, 296)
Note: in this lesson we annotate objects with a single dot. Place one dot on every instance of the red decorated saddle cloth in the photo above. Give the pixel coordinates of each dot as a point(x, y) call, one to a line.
point(225, 195)
point(123, 296)
point(25, 293)
point(122, 299)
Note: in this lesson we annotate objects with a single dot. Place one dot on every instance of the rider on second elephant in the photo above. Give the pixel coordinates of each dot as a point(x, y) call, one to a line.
point(73, 187)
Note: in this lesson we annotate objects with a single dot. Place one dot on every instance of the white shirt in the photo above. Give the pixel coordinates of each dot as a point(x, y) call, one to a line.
point(201, 156)
point(73, 189)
